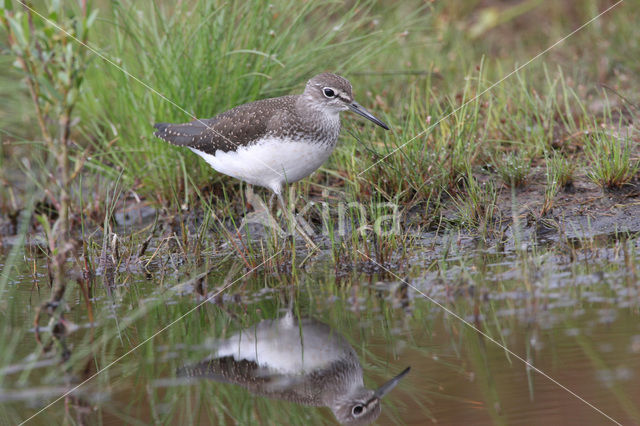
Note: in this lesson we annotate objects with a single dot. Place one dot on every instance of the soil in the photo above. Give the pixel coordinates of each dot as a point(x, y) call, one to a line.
point(581, 210)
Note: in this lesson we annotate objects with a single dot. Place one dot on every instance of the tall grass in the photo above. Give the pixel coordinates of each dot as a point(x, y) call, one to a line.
point(207, 57)
point(610, 156)
point(210, 56)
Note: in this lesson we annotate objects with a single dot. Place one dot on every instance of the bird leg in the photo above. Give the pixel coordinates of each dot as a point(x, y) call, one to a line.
point(273, 195)
point(291, 218)
point(261, 213)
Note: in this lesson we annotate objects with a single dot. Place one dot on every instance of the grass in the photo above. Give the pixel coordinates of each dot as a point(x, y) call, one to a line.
point(513, 169)
point(476, 205)
point(439, 126)
point(559, 175)
point(423, 68)
point(386, 331)
point(610, 155)
point(200, 43)
point(560, 170)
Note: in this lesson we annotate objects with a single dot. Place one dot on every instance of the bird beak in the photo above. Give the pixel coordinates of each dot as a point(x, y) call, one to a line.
point(386, 388)
point(359, 109)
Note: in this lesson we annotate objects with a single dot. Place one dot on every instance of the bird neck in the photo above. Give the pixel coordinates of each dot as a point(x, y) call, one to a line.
point(318, 119)
point(344, 381)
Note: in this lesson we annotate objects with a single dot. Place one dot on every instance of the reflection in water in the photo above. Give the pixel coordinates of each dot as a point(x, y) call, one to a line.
point(304, 361)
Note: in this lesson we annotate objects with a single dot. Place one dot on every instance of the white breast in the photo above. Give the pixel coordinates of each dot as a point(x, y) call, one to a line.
point(286, 349)
point(271, 162)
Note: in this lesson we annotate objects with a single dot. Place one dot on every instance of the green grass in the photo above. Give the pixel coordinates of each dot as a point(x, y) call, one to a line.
point(560, 170)
point(425, 78)
point(229, 53)
point(476, 205)
point(450, 157)
point(513, 168)
point(408, 63)
point(418, 74)
point(610, 157)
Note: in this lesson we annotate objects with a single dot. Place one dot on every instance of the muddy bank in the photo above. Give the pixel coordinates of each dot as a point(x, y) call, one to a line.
point(582, 210)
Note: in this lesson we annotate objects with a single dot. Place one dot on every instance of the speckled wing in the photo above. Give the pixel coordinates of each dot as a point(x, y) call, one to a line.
point(227, 131)
point(225, 370)
point(256, 379)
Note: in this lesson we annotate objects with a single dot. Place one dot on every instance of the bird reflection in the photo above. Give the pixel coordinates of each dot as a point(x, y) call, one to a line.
point(302, 361)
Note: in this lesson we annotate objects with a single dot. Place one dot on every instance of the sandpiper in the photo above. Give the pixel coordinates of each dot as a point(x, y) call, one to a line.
point(299, 360)
point(273, 141)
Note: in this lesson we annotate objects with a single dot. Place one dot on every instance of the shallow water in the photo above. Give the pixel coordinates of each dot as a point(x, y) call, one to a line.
point(572, 312)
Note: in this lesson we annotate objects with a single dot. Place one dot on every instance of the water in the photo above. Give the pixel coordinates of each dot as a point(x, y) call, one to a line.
point(570, 311)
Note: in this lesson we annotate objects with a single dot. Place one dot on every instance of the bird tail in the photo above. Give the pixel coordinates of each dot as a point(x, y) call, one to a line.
point(179, 134)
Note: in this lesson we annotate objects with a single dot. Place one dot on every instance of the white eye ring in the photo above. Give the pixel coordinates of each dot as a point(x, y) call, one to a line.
point(357, 410)
point(329, 92)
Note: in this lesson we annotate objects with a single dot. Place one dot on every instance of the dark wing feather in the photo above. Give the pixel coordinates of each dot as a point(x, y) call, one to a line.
point(256, 379)
point(225, 370)
point(239, 126)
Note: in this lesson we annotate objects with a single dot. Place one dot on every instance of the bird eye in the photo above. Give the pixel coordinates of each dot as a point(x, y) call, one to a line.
point(357, 410)
point(328, 92)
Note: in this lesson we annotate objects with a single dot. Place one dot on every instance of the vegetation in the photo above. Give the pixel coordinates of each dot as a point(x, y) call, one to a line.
point(513, 169)
point(52, 61)
point(134, 245)
point(611, 162)
point(440, 129)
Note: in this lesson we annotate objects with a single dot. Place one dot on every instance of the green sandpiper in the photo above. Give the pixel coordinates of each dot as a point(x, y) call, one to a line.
point(298, 360)
point(273, 141)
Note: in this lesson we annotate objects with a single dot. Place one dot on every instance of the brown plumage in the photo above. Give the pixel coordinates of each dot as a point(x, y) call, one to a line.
point(236, 127)
point(298, 117)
